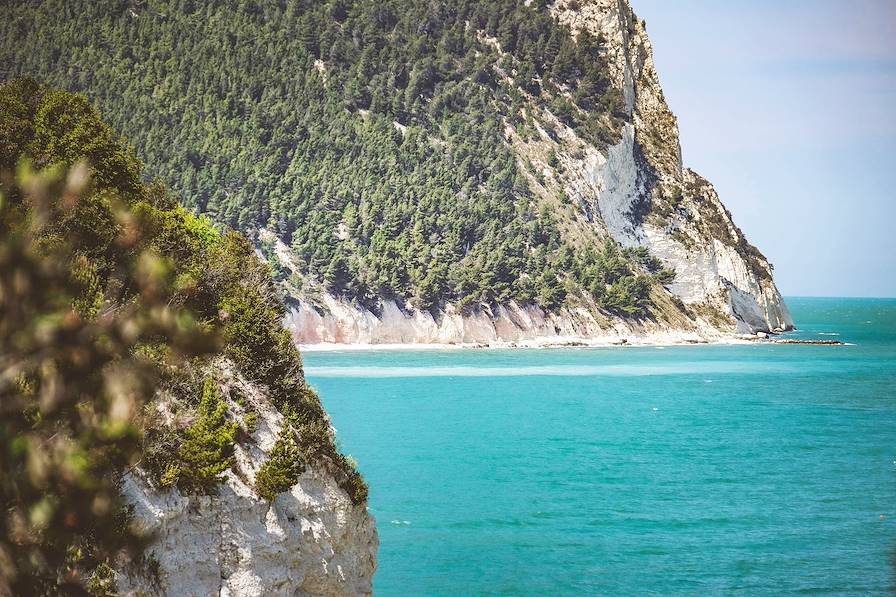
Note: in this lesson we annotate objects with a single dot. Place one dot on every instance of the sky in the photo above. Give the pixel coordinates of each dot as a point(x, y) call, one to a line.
point(789, 108)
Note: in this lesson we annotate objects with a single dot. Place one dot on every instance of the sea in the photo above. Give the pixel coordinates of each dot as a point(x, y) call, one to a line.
point(684, 470)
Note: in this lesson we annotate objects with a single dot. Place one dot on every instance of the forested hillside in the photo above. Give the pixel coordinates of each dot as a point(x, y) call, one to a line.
point(124, 320)
point(369, 136)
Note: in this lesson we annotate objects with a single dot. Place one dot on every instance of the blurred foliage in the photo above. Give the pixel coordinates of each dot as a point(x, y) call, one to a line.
point(109, 292)
point(72, 385)
point(369, 136)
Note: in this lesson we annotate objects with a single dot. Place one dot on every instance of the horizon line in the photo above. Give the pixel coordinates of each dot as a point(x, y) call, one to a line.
point(833, 296)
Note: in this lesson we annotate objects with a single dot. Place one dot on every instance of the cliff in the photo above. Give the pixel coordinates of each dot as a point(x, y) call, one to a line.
point(311, 540)
point(640, 193)
point(635, 191)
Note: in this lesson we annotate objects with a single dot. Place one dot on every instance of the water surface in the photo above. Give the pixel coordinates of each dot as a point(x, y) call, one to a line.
point(697, 469)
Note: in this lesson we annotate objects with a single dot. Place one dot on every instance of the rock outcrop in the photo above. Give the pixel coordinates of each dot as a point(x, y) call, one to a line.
point(643, 196)
point(311, 540)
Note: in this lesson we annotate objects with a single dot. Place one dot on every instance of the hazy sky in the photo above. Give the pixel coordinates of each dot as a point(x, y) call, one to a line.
point(789, 108)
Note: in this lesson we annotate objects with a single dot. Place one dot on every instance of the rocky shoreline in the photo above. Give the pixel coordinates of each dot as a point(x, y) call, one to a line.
point(553, 343)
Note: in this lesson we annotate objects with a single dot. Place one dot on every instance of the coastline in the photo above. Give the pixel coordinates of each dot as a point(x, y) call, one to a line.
point(659, 340)
point(338, 325)
point(652, 340)
point(549, 344)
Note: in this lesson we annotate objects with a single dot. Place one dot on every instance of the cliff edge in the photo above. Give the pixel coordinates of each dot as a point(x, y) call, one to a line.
point(643, 196)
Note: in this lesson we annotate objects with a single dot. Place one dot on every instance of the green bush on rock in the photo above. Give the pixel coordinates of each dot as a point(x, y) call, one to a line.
point(207, 449)
point(282, 468)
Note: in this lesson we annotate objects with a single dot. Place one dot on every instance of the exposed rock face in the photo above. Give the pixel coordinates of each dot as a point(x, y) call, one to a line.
point(645, 197)
point(339, 322)
point(311, 540)
point(635, 191)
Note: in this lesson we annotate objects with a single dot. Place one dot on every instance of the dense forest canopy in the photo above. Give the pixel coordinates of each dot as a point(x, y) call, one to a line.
point(369, 135)
point(112, 295)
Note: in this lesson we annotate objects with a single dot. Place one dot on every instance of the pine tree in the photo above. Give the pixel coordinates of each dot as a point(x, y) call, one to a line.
point(207, 450)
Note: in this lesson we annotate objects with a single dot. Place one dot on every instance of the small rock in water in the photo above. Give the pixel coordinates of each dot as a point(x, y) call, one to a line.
point(761, 335)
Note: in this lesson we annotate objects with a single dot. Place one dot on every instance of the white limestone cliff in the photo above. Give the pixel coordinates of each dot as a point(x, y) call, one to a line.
point(644, 196)
point(343, 323)
point(311, 540)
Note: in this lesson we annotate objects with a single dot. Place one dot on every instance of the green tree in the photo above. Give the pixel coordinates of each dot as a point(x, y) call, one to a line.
point(282, 468)
point(207, 449)
point(296, 128)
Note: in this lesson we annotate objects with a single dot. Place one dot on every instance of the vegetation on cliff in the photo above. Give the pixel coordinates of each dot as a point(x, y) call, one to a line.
point(369, 136)
point(111, 296)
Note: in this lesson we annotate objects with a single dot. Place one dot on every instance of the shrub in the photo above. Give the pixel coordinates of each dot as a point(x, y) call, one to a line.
point(109, 292)
point(282, 468)
point(251, 421)
point(102, 581)
point(352, 482)
point(160, 449)
point(207, 450)
point(664, 276)
point(67, 423)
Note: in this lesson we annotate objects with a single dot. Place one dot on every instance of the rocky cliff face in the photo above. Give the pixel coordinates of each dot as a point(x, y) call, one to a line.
point(644, 196)
point(340, 322)
point(311, 540)
point(635, 191)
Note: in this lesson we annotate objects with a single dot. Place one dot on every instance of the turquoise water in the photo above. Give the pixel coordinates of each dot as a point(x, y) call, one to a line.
point(686, 470)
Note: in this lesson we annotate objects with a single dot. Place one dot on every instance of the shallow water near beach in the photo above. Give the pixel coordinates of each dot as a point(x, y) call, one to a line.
point(754, 469)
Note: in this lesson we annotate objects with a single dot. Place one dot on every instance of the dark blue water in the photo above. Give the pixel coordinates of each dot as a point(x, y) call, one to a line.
point(689, 470)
